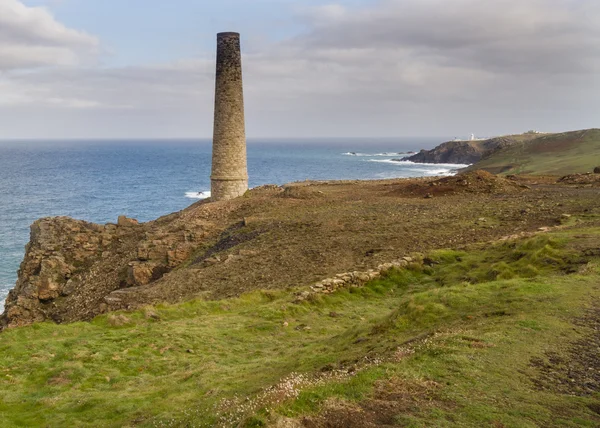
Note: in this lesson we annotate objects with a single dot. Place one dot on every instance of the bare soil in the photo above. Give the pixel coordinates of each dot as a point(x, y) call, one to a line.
point(293, 236)
point(579, 372)
point(589, 179)
point(391, 398)
point(275, 238)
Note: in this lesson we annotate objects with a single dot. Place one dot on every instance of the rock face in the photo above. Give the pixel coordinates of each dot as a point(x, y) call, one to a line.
point(464, 152)
point(70, 266)
point(461, 152)
point(59, 249)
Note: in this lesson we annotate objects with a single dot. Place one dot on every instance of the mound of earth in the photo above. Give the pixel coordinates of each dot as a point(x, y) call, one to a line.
point(468, 182)
point(301, 192)
point(588, 179)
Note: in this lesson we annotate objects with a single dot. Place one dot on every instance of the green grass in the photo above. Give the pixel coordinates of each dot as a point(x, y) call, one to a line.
point(556, 154)
point(510, 321)
point(133, 369)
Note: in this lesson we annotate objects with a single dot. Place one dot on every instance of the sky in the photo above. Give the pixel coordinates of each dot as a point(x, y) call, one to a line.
point(312, 68)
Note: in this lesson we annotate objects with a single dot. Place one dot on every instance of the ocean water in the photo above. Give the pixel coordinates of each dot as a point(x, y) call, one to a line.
point(100, 180)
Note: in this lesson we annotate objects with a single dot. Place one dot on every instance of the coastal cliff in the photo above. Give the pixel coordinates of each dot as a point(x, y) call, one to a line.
point(272, 238)
point(574, 152)
point(467, 152)
point(71, 266)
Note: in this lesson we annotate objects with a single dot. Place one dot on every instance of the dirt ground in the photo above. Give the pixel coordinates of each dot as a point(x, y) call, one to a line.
point(292, 236)
point(390, 399)
point(277, 237)
point(579, 373)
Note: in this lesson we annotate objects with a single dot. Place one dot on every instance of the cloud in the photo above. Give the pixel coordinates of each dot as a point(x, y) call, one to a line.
point(551, 36)
point(391, 67)
point(442, 65)
point(30, 37)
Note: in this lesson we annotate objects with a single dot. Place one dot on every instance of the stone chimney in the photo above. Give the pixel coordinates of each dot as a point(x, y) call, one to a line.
point(229, 178)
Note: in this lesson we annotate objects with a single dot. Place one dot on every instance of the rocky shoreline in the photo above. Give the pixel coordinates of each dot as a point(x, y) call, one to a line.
point(467, 152)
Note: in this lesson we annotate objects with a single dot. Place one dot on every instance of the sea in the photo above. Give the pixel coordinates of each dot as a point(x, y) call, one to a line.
point(99, 180)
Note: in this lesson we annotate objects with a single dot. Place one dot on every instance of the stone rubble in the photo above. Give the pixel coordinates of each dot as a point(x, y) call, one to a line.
point(351, 279)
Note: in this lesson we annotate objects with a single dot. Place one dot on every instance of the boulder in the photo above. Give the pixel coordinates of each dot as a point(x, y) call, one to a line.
point(124, 221)
point(140, 273)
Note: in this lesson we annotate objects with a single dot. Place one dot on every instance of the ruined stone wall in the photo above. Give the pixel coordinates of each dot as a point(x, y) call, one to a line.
point(229, 178)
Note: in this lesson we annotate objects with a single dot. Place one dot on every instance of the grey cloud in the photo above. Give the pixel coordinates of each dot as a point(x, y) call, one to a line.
point(501, 35)
point(410, 67)
point(31, 37)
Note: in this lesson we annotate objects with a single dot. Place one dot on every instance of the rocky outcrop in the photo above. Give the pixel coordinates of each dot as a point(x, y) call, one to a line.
point(70, 266)
point(59, 251)
point(457, 152)
point(461, 152)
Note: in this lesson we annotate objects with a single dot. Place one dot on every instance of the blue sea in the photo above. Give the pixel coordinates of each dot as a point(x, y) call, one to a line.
point(100, 180)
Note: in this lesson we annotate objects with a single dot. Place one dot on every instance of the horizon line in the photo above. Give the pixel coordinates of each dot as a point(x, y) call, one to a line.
point(59, 139)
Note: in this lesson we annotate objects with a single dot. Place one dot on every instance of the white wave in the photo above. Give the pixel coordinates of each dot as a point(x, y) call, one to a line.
point(424, 169)
point(434, 172)
point(395, 162)
point(387, 154)
point(430, 165)
point(197, 195)
point(3, 294)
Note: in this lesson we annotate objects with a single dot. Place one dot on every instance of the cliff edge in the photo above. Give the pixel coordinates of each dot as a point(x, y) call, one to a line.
point(467, 152)
point(574, 152)
point(271, 238)
point(70, 266)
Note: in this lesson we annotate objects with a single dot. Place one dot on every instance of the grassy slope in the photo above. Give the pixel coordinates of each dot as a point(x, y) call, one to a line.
point(555, 154)
point(197, 362)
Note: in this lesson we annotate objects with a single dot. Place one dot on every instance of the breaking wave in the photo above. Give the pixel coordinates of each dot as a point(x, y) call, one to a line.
point(197, 195)
point(426, 169)
point(387, 154)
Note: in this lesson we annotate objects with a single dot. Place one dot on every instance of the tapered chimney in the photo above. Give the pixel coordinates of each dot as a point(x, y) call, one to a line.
point(229, 178)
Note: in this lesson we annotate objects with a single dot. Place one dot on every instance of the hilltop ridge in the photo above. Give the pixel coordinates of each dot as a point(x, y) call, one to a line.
point(563, 153)
point(467, 151)
point(552, 154)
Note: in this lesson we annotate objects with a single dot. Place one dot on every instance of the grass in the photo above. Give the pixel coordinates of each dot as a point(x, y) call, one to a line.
point(556, 154)
point(479, 357)
point(479, 316)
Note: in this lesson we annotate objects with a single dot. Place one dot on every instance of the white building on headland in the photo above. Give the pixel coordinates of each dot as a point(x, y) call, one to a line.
point(471, 138)
point(474, 138)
